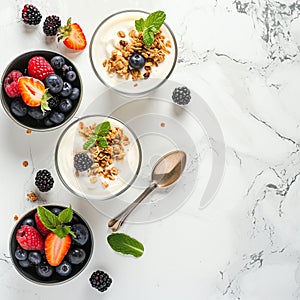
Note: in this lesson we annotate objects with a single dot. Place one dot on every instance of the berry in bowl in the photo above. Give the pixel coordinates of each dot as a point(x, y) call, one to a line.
point(51, 244)
point(41, 90)
point(97, 157)
point(133, 52)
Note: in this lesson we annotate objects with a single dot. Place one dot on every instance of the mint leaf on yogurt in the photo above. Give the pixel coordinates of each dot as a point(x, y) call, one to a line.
point(125, 244)
point(150, 26)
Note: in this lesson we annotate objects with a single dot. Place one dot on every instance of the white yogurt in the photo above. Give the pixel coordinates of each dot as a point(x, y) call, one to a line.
point(71, 143)
point(104, 41)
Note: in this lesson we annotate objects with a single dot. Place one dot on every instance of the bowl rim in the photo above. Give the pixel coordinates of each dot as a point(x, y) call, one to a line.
point(64, 280)
point(111, 196)
point(114, 88)
point(39, 52)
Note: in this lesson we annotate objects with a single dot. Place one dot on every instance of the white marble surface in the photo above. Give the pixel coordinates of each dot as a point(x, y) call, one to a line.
point(242, 58)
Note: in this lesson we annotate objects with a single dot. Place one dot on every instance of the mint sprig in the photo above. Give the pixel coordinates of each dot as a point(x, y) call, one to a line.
point(101, 131)
point(57, 223)
point(125, 244)
point(150, 26)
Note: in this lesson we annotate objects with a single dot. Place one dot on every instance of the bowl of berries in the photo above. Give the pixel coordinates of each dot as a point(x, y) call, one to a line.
point(41, 90)
point(51, 244)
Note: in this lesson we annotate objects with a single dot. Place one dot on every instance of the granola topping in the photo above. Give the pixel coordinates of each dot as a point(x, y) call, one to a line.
point(133, 43)
point(104, 158)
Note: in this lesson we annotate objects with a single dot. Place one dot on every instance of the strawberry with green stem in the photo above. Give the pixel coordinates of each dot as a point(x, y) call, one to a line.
point(34, 92)
point(72, 36)
point(58, 241)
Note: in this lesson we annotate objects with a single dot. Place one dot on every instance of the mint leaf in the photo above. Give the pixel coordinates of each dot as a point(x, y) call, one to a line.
point(156, 19)
point(102, 142)
point(62, 231)
point(148, 37)
point(139, 25)
point(66, 215)
point(48, 218)
point(102, 129)
point(90, 142)
point(150, 26)
point(125, 244)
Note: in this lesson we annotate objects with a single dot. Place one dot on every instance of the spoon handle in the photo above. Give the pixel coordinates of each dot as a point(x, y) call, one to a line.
point(118, 220)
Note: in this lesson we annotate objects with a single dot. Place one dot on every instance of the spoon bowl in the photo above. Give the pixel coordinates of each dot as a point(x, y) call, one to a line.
point(165, 172)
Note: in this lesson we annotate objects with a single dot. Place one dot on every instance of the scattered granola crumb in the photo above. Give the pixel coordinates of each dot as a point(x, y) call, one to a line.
point(162, 124)
point(32, 196)
point(25, 163)
point(105, 184)
point(28, 131)
point(135, 85)
point(16, 218)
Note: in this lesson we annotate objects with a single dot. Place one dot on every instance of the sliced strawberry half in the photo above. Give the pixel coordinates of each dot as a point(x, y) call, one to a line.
point(56, 248)
point(33, 92)
point(72, 36)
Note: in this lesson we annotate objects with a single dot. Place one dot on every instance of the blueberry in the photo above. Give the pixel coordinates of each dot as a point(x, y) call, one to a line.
point(36, 113)
point(18, 108)
point(57, 62)
point(65, 105)
point(74, 93)
point(21, 254)
point(66, 68)
point(137, 61)
point(81, 232)
point(35, 257)
point(57, 117)
point(55, 210)
point(48, 122)
point(54, 83)
point(44, 270)
point(71, 76)
point(29, 222)
point(24, 263)
point(66, 90)
point(64, 269)
point(76, 256)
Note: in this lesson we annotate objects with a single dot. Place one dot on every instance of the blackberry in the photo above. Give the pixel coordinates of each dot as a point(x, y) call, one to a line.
point(181, 95)
point(51, 25)
point(44, 181)
point(53, 102)
point(100, 281)
point(82, 162)
point(31, 15)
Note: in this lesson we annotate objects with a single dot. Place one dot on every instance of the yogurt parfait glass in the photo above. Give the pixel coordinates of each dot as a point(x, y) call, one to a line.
point(116, 40)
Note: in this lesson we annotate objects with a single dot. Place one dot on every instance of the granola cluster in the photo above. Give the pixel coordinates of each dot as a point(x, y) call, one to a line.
point(104, 158)
point(154, 54)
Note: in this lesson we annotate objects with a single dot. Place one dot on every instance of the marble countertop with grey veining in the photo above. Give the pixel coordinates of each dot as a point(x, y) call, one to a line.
point(235, 234)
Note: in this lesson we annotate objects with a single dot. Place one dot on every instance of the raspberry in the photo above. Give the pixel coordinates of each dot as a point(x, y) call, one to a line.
point(181, 95)
point(31, 15)
point(11, 84)
point(29, 238)
point(39, 68)
point(100, 281)
point(44, 181)
point(82, 162)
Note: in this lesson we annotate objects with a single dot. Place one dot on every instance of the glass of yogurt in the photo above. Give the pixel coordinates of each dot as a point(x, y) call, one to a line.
point(116, 39)
point(96, 162)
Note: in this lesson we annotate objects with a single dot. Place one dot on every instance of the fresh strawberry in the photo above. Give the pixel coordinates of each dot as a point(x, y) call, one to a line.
point(40, 226)
point(39, 68)
point(72, 36)
point(11, 84)
point(29, 238)
point(33, 92)
point(56, 248)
